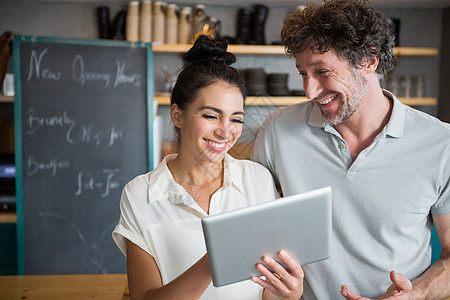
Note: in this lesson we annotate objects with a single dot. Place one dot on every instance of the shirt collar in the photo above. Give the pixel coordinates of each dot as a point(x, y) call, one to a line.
point(396, 125)
point(394, 128)
point(232, 175)
point(163, 186)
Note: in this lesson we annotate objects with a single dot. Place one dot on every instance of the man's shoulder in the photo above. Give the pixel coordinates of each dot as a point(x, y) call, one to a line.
point(295, 112)
point(247, 166)
point(424, 121)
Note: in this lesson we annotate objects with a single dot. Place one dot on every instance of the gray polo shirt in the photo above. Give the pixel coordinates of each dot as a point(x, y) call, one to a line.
point(382, 201)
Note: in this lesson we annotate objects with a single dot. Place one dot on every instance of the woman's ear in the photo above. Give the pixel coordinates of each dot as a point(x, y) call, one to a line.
point(175, 114)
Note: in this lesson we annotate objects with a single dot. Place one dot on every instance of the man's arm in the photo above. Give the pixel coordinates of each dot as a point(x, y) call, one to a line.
point(435, 282)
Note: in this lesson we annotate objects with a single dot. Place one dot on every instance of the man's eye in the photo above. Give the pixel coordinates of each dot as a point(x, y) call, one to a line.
point(237, 121)
point(324, 72)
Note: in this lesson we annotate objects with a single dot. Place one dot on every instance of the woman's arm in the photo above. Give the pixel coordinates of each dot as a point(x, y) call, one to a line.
point(144, 278)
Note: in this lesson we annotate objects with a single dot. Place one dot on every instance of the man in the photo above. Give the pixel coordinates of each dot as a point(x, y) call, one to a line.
point(388, 164)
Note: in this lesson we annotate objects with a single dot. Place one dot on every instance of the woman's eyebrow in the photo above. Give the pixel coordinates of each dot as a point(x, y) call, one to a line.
point(219, 111)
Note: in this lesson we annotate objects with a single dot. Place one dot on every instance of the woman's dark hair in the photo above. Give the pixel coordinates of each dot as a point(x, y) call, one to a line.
point(353, 28)
point(208, 63)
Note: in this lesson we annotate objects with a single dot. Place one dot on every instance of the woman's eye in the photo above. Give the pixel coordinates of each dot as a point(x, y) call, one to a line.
point(238, 121)
point(209, 117)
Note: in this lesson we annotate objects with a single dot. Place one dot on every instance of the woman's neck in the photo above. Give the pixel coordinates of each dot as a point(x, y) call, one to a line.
point(194, 172)
point(199, 180)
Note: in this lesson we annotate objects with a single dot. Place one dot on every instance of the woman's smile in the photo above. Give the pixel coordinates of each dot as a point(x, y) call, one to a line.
point(216, 146)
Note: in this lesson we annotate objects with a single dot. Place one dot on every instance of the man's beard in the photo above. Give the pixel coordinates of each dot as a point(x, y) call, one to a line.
point(358, 91)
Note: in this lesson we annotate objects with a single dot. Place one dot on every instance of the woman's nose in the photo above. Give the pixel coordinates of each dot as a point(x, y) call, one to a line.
point(223, 130)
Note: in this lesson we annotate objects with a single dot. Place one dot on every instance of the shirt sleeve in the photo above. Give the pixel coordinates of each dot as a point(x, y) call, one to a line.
point(130, 224)
point(442, 205)
point(263, 151)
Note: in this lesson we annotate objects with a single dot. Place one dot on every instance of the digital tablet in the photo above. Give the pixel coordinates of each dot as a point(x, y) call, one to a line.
point(236, 240)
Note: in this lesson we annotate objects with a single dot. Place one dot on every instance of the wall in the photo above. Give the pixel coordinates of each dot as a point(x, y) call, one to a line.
point(444, 87)
point(419, 27)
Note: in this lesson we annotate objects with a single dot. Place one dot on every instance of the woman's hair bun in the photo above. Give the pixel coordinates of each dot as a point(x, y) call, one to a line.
point(206, 48)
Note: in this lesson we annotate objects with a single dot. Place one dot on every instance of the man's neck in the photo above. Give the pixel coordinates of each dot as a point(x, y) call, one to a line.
point(367, 122)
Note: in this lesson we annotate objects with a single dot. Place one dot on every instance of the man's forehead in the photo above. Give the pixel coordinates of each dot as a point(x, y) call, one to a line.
point(309, 58)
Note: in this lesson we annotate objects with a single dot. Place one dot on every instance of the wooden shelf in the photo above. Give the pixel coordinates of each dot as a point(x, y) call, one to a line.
point(250, 100)
point(236, 49)
point(6, 99)
point(283, 101)
point(419, 101)
point(265, 101)
point(8, 217)
point(413, 51)
point(279, 50)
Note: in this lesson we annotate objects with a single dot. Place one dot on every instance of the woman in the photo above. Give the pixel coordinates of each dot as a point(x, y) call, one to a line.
point(160, 225)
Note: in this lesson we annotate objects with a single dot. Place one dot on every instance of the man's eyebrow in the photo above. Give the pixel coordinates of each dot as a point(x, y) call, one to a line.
point(313, 64)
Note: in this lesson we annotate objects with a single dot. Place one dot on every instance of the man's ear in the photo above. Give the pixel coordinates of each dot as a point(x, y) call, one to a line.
point(371, 64)
point(175, 114)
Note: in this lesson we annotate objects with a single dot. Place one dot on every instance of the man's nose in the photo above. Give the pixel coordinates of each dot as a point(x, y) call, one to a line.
point(312, 87)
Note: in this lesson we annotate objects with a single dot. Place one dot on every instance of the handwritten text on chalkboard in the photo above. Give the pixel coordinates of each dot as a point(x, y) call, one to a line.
point(81, 73)
point(83, 134)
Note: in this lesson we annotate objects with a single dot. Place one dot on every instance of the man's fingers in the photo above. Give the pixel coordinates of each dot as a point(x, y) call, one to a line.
point(349, 295)
point(400, 281)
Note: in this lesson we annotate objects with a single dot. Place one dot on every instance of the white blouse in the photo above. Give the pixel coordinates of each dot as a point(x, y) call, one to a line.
point(160, 217)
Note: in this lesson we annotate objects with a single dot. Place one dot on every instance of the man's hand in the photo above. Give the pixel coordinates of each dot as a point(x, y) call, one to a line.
point(400, 289)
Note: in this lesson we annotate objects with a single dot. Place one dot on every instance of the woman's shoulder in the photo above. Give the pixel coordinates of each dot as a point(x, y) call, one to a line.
point(147, 179)
point(139, 182)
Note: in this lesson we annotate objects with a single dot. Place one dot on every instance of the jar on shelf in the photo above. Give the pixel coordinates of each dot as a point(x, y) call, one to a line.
point(145, 22)
point(171, 24)
point(185, 26)
point(159, 21)
point(132, 22)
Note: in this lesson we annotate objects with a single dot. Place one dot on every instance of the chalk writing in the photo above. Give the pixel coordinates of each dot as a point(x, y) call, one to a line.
point(92, 256)
point(34, 166)
point(79, 74)
point(34, 123)
point(122, 78)
point(87, 182)
point(110, 136)
point(36, 70)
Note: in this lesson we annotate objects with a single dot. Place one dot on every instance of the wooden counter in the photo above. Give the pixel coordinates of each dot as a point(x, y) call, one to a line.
point(64, 287)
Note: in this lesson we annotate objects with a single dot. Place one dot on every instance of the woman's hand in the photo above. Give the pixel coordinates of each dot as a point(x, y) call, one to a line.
point(281, 282)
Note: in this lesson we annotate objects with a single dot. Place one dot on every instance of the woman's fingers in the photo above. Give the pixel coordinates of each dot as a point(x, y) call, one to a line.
point(281, 281)
point(264, 281)
point(292, 265)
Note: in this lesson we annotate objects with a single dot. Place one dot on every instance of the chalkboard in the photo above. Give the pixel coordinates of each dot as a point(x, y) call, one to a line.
point(83, 130)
